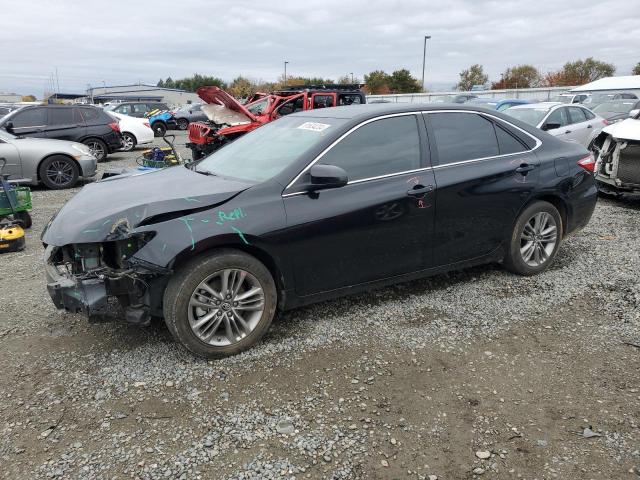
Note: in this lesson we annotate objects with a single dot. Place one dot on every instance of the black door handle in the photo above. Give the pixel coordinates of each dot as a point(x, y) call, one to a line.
point(525, 168)
point(420, 191)
point(589, 126)
point(568, 131)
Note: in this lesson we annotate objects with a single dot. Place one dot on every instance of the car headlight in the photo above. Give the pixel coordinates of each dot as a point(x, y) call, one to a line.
point(83, 149)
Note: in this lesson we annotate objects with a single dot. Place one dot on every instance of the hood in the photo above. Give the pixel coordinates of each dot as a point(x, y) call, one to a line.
point(113, 208)
point(217, 96)
point(628, 129)
point(46, 146)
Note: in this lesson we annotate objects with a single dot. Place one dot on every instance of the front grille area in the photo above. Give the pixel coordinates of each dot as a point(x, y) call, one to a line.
point(629, 164)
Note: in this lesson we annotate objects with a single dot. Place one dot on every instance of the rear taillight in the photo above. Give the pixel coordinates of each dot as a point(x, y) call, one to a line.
point(115, 126)
point(146, 124)
point(588, 163)
point(606, 122)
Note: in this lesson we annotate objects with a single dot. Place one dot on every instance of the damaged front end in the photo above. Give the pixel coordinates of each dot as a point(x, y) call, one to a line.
point(100, 279)
point(617, 154)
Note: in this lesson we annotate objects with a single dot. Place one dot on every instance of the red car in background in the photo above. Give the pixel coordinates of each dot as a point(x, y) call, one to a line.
point(228, 118)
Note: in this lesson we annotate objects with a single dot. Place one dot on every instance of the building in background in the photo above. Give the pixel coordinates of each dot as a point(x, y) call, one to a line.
point(10, 97)
point(141, 92)
point(626, 83)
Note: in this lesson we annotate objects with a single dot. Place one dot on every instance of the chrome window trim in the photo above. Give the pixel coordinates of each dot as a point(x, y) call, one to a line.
point(433, 167)
point(339, 139)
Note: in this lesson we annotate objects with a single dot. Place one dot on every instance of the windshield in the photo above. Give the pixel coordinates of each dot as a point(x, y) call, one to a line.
point(614, 107)
point(258, 106)
point(532, 116)
point(265, 152)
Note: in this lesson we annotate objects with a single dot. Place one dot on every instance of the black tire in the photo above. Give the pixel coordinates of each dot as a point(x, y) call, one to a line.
point(159, 128)
point(185, 282)
point(129, 142)
point(98, 148)
point(58, 172)
point(24, 218)
point(183, 124)
point(514, 260)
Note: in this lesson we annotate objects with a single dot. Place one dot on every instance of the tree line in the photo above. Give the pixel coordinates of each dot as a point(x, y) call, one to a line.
point(573, 73)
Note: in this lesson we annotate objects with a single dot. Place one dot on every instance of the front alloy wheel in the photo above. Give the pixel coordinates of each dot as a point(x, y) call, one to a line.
point(221, 303)
point(226, 307)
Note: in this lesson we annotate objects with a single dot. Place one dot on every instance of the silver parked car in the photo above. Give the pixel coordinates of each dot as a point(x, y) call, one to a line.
point(572, 122)
point(54, 163)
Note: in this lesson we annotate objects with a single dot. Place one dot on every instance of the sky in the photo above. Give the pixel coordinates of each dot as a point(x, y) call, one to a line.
point(121, 42)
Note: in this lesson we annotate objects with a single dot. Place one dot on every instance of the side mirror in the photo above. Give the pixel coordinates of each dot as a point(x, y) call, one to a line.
point(9, 127)
point(550, 126)
point(327, 176)
point(635, 113)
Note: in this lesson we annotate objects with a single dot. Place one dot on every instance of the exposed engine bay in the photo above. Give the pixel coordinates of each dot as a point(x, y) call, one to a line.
point(617, 154)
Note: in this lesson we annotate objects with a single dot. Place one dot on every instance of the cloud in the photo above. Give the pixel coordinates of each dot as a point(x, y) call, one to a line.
point(129, 41)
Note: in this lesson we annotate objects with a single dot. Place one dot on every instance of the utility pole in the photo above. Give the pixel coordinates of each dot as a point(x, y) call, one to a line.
point(424, 57)
point(285, 73)
point(351, 77)
point(57, 80)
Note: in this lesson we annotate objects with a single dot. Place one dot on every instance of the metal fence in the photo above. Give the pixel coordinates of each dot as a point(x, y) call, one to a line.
point(540, 94)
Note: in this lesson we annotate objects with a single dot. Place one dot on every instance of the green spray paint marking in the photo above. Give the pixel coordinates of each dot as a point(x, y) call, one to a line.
point(191, 199)
point(240, 234)
point(204, 221)
point(108, 220)
point(91, 230)
point(186, 221)
point(164, 247)
point(233, 215)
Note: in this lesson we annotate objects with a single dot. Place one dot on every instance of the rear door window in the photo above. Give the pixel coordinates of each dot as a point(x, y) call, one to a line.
point(31, 117)
point(140, 108)
point(62, 116)
point(381, 147)
point(123, 109)
point(588, 113)
point(507, 143)
point(576, 115)
point(90, 115)
point(349, 99)
point(463, 136)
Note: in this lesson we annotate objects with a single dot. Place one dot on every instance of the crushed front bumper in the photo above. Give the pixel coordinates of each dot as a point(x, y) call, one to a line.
point(86, 296)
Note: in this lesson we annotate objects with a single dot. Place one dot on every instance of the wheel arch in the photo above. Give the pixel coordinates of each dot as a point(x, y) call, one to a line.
point(57, 154)
point(266, 258)
point(558, 202)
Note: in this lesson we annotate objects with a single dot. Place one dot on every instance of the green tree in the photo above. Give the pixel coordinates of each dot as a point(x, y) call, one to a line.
point(521, 76)
point(28, 98)
point(474, 75)
point(241, 87)
point(401, 81)
point(347, 80)
point(160, 83)
point(169, 83)
point(377, 82)
point(636, 69)
point(585, 71)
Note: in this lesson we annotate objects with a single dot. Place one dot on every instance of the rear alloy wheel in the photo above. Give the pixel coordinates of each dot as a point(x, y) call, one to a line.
point(159, 129)
point(128, 142)
point(535, 239)
point(183, 124)
point(98, 148)
point(58, 172)
point(220, 305)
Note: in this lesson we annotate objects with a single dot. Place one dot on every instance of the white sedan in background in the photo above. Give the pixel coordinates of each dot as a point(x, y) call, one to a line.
point(572, 122)
point(135, 131)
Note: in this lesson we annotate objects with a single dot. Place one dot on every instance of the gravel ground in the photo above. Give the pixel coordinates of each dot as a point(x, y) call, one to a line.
point(477, 374)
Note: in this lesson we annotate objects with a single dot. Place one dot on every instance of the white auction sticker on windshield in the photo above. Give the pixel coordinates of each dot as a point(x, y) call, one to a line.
point(313, 126)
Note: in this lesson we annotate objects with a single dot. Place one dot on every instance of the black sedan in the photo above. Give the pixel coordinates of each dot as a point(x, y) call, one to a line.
point(318, 204)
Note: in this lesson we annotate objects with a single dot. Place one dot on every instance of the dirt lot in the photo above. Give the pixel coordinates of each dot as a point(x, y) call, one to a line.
point(478, 374)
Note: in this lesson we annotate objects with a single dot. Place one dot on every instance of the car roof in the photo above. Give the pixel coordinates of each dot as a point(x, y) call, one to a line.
point(538, 106)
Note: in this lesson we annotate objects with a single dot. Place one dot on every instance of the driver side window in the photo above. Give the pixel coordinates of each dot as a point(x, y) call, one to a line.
point(381, 147)
point(558, 116)
point(291, 106)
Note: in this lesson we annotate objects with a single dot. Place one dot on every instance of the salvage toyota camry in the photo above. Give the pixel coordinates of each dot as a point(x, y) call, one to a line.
point(316, 205)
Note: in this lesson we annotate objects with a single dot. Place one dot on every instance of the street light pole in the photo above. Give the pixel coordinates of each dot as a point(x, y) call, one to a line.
point(351, 77)
point(424, 57)
point(285, 73)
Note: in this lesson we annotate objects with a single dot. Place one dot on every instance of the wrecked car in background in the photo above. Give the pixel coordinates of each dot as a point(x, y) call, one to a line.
point(229, 119)
point(617, 154)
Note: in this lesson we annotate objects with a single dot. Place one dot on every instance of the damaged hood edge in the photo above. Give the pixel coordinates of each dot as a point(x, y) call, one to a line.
point(628, 129)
